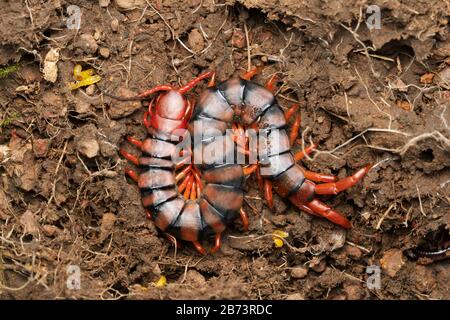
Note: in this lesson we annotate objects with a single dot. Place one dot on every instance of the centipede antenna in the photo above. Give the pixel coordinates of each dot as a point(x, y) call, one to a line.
point(194, 82)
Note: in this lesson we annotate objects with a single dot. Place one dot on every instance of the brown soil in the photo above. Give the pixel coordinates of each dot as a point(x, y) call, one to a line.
point(65, 201)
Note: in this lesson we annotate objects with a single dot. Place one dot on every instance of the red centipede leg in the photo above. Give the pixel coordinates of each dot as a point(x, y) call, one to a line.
point(199, 247)
point(270, 85)
point(327, 212)
point(149, 214)
point(133, 175)
point(289, 112)
point(212, 81)
point(268, 192)
point(134, 141)
point(250, 169)
point(308, 150)
point(163, 87)
point(295, 127)
point(187, 192)
point(217, 242)
point(244, 218)
point(319, 177)
point(343, 184)
point(145, 119)
point(183, 184)
point(308, 210)
point(250, 74)
point(195, 81)
point(129, 157)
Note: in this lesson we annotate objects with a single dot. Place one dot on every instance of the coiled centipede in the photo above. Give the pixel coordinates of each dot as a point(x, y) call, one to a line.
point(193, 202)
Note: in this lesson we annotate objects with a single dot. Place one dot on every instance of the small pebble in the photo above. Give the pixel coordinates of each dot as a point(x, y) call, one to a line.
point(299, 272)
point(104, 52)
point(115, 25)
point(196, 41)
point(104, 3)
point(392, 262)
point(88, 147)
point(90, 90)
point(40, 147)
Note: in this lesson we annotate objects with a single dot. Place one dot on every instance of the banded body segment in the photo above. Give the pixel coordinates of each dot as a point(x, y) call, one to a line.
point(213, 105)
point(167, 213)
point(189, 226)
point(226, 200)
point(228, 175)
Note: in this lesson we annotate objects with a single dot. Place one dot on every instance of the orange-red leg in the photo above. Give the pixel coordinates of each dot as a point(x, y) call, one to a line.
point(290, 112)
point(244, 218)
point(217, 243)
point(250, 169)
point(343, 184)
point(308, 150)
point(146, 120)
point(212, 81)
point(163, 87)
point(199, 247)
point(327, 212)
point(183, 184)
point(294, 130)
point(195, 81)
point(129, 157)
point(270, 85)
point(250, 74)
point(133, 175)
point(135, 141)
point(149, 214)
point(268, 192)
point(319, 177)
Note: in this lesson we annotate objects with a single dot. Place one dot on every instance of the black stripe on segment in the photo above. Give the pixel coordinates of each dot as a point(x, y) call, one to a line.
point(272, 118)
point(230, 175)
point(212, 104)
point(158, 148)
point(226, 200)
point(273, 142)
point(155, 179)
point(167, 213)
point(272, 167)
point(189, 226)
point(287, 183)
point(156, 197)
point(257, 99)
point(233, 90)
point(151, 162)
point(209, 127)
point(214, 220)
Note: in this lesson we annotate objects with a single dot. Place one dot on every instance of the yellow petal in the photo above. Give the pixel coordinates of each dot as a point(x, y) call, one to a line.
point(77, 70)
point(161, 282)
point(281, 233)
point(278, 242)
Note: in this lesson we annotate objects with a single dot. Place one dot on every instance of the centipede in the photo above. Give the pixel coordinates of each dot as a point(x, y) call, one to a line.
point(195, 201)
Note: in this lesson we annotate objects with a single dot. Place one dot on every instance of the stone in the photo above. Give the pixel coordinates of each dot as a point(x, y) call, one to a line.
point(196, 41)
point(88, 147)
point(87, 43)
point(104, 52)
point(104, 3)
point(120, 109)
point(299, 272)
point(40, 147)
point(392, 262)
point(130, 4)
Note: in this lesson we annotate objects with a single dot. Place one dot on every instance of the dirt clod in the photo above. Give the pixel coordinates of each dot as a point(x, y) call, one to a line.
point(120, 109)
point(392, 261)
point(299, 272)
point(88, 147)
point(87, 43)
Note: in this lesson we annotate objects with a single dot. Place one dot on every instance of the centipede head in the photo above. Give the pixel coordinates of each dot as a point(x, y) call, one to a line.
point(171, 105)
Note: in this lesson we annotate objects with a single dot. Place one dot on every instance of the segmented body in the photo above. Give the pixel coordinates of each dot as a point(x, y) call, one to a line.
point(222, 196)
